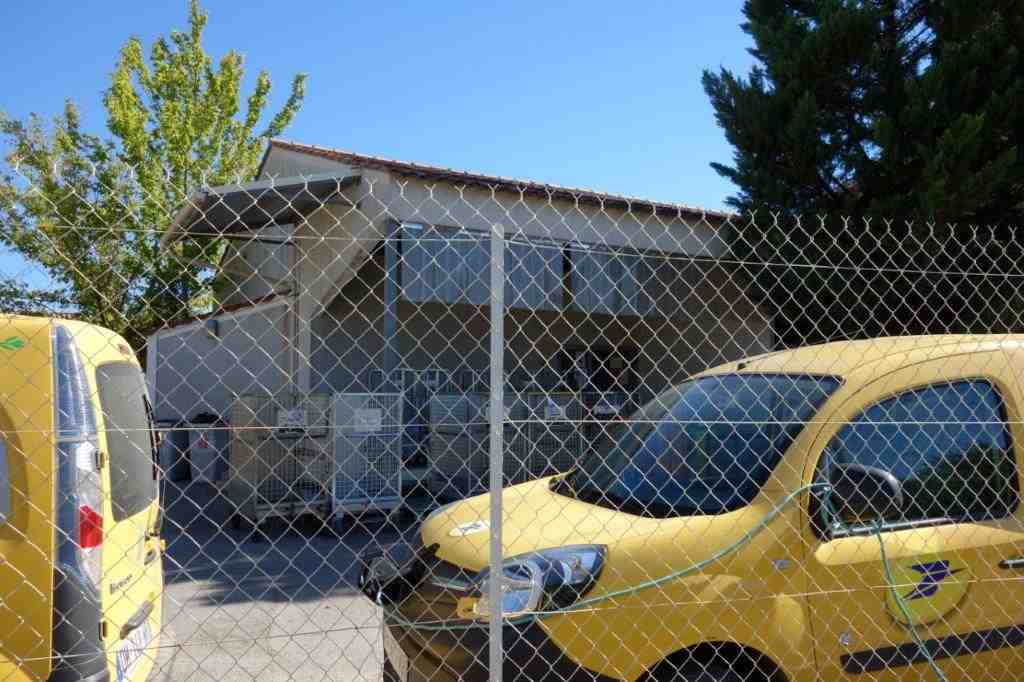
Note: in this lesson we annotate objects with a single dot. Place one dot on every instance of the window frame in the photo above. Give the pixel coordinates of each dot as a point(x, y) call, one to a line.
point(826, 533)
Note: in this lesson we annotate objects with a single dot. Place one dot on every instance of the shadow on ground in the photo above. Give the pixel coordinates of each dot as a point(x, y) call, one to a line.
point(282, 606)
point(291, 560)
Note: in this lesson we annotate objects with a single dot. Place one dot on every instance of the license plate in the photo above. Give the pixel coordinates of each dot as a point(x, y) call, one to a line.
point(129, 654)
point(395, 656)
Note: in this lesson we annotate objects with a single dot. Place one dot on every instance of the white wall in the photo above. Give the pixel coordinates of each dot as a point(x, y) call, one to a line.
point(441, 203)
point(285, 163)
point(189, 370)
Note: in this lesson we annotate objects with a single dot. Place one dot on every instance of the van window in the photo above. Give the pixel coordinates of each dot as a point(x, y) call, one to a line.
point(130, 448)
point(948, 444)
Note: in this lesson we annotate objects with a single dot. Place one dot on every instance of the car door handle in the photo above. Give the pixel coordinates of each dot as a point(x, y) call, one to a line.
point(1011, 564)
point(137, 619)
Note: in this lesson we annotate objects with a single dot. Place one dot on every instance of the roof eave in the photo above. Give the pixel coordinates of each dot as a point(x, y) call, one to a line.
point(321, 187)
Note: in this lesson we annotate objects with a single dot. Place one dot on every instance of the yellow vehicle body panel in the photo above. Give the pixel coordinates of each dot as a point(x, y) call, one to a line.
point(129, 579)
point(640, 549)
point(27, 536)
point(801, 600)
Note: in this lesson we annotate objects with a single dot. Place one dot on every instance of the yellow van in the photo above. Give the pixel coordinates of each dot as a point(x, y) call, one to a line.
point(80, 554)
point(842, 512)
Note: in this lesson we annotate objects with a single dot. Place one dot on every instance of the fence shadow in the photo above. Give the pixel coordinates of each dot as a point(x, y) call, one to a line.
point(292, 561)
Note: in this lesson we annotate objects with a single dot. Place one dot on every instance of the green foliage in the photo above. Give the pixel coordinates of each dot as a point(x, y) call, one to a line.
point(890, 108)
point(90, 210)
point(880, 112)
point(18, 298)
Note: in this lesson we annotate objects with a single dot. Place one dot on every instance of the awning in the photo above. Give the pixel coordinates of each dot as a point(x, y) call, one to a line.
point(228, 209)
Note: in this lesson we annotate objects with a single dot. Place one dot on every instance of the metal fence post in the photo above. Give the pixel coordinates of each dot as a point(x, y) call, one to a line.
point(497, 416)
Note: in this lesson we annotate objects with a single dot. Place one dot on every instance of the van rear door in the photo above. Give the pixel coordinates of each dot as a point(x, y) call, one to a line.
point(131, 574)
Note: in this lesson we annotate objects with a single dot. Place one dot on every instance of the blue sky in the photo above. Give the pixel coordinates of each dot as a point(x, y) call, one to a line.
point(603, 95)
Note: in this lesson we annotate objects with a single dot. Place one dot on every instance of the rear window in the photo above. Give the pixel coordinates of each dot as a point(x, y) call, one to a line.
point(130, 449)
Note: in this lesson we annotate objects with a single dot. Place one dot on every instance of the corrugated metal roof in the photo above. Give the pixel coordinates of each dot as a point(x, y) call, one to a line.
point(530, 187)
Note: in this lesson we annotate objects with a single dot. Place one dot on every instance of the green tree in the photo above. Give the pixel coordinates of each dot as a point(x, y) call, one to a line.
point(90, 210)
point(891, 127)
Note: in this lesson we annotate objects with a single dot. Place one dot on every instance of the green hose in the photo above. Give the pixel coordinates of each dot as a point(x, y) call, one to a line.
point(828, 515)
point(903, 608)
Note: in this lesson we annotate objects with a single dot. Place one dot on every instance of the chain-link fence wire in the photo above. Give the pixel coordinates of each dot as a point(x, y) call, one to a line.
point(728, 447)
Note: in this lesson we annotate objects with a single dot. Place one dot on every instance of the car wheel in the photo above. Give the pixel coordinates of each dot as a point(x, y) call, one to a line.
point(390, 675)
point(712, 673)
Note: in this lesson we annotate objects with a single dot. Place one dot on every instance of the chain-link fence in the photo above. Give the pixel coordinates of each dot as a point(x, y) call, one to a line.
point(361, 419)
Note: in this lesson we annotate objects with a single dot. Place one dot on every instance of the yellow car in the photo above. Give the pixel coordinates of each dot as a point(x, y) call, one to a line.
point(842, 512)
point(80, 556)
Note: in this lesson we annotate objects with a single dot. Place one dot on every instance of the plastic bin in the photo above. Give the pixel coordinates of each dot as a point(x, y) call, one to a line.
point(173, 453)
point(208, 448)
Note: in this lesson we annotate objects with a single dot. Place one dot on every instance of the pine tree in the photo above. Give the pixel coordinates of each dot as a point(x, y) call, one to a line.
point(900, 114)
point(883, 107)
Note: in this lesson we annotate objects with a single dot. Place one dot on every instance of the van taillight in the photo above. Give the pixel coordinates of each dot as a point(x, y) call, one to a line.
point(79, 477)
point(90, 527)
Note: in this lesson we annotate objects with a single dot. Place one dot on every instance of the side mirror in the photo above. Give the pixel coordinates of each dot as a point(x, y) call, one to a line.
point(863, 493)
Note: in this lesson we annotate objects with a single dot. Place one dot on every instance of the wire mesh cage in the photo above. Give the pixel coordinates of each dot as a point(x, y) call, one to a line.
point(368, 451)
point(280, 462)
point(554, 432)
point(602, 411)
point(460, 429)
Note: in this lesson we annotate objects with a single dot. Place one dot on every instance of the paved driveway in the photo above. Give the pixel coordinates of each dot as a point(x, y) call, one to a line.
point(281, 609)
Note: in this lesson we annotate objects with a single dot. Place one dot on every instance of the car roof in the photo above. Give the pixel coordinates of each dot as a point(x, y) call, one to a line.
point(844, 358)
point(85, 333)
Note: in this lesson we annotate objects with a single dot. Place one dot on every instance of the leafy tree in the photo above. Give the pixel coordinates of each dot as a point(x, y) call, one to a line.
point(890, 127)
point(19, 298)
point(90, 210)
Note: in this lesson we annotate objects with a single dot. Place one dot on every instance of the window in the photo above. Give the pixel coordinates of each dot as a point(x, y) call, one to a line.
point(129, 442)
point(448, 265)
point(948, 445)
point(612, 281)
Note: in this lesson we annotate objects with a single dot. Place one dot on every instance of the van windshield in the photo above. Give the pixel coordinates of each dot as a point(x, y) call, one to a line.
point(704, 447)
point(129, 439)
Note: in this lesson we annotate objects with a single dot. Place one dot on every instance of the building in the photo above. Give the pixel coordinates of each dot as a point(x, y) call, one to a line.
point(352, 273)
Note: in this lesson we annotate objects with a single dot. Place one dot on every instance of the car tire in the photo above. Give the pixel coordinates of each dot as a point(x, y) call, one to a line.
point(390, 674)
point(709, 674)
